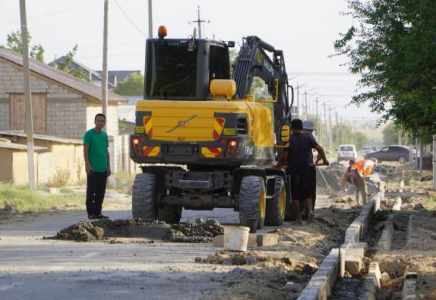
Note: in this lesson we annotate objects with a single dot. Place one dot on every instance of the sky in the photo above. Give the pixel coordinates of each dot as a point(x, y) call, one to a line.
point(305, 30)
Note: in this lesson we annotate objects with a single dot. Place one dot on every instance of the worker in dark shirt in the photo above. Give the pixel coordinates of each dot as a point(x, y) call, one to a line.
point(298, 160)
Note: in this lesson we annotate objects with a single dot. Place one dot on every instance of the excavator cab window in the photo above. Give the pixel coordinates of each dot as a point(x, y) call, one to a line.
point(219, 63)
point(171, 69)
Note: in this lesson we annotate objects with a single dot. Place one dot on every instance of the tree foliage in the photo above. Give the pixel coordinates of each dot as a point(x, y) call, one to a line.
point(15, 43)
point(133, 85)
point(394, 50)
point(65, 66)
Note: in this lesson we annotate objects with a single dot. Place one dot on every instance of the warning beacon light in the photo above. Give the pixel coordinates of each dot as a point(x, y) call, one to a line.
point(162, 32)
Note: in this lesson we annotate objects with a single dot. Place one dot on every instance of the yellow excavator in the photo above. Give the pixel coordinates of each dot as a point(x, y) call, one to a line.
point(202, 140)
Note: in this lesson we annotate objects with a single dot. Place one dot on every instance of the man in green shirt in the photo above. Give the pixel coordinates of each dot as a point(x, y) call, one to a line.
point(96, 154)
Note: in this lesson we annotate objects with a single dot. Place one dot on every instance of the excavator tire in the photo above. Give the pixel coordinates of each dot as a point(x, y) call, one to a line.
point(144, 196)
point(170, 214)
point(252, 200)
point(275, 207)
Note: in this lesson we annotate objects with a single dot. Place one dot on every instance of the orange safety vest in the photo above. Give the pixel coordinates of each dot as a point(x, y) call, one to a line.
point(364, 167)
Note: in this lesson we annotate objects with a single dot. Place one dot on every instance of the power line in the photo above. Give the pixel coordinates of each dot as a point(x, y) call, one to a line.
point(53, 13)
point(128, 19)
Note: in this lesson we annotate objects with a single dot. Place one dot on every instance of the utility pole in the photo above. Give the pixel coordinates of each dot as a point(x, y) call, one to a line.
point(28, 96)
point(150, 19)
point(298, 101)
point(199, 21)
point(325, 122)
point(337, 128)
point(105, 50)
point(305, 104)
point(331, 129)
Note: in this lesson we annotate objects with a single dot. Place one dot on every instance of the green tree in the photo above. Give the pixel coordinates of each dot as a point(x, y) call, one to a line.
point(360, 139)
point(133, 85)
point(15, 43)
point(65, 66)
point(390, 135)
point(393, 49)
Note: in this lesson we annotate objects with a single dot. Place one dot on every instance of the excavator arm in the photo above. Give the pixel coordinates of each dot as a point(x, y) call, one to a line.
point(253, 61)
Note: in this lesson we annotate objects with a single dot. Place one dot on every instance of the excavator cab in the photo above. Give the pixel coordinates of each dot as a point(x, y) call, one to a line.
point(178, 69)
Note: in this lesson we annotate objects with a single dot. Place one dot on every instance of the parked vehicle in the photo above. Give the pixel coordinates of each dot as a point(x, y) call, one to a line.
point(347, 152)
point(391, 153)
point(367, 150)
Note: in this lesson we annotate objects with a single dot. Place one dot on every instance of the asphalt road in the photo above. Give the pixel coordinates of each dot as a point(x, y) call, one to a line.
point(34, 268)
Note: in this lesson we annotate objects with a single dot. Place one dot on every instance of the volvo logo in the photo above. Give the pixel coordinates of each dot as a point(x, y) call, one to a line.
point(181, 124)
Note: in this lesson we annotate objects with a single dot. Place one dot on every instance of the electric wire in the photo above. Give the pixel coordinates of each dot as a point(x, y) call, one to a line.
point(128, 19)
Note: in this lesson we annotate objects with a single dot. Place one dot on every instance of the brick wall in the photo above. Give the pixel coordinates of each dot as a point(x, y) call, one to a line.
point(69, 114)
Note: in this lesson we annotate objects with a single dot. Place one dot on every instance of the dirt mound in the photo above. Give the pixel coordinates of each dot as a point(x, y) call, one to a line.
point(199, 232)
point(80, 232)
point(255, 257)
point(260, 276)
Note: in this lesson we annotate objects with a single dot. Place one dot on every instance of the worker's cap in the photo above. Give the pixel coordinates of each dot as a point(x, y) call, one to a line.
point(308, 124)
point(374, 160)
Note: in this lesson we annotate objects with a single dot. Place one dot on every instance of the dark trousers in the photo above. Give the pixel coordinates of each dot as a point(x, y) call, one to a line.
point(95, 190)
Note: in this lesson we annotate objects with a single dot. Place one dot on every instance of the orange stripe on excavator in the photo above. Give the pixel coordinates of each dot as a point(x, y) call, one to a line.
point(211, 152)
point(150, 151)
point(148, 124)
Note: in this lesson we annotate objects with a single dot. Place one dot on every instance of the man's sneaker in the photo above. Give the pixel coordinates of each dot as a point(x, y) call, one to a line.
point(92, 217)
point(100, 216)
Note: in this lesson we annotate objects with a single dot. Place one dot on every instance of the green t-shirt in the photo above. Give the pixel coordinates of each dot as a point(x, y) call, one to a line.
point(97, 152)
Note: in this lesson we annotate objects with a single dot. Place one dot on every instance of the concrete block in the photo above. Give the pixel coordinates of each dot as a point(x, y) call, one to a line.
point(409, 289)
point(252, 240)
point(267, 239)
point(353, 264)
point(374, 273)
point(397, 205)
point(386, 237)
point(218, 241)
point(363, 245)
point(352, 234)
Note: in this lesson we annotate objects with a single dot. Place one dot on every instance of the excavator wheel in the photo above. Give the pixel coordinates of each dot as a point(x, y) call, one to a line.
point(275, 207)
point(144, 197)
point(170, 214)
point(252, 202)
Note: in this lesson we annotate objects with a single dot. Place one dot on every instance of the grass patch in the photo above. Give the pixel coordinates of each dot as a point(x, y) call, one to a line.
point(124, 182)
point(430, 204)
point(24, 200)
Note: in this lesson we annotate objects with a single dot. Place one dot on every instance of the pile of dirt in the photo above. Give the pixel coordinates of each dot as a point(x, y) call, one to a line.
point(198, 232)
point(80, 232)
point(257, 257)
point(260, 276)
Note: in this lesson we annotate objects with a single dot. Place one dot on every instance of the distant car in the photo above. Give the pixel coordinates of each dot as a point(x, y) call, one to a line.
point(391, 153)
point(367, 150)
point(347, 152)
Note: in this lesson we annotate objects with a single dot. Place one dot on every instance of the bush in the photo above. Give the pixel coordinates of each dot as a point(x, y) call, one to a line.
point(60, 178)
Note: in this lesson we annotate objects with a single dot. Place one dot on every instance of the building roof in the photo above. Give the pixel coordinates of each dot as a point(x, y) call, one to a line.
point(21, 134)
point(89, 90)
point(94, 76)
point(9, 145)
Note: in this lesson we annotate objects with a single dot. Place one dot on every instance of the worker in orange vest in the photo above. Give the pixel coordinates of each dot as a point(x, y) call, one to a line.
point(359, 172)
